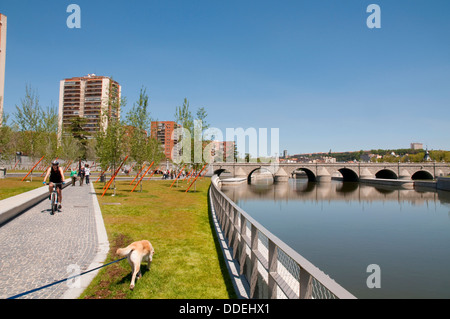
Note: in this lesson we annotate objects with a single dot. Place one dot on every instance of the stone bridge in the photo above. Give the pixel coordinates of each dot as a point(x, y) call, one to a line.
point(321, 172)
point(316, 192)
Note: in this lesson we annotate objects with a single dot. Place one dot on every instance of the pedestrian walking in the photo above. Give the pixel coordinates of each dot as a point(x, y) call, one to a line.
point(87, 173)
point(73, 176)
point(81, 175)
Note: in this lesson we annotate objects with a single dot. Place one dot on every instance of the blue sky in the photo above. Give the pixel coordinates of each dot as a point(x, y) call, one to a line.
point(313, 69)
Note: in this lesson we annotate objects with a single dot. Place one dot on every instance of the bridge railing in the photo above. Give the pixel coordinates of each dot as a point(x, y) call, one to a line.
point(272, 268)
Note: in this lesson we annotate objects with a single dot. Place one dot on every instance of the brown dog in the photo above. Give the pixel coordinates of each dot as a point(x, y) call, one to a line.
point(136, 252)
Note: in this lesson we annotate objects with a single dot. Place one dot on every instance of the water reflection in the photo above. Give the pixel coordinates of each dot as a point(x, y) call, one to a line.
point(302, 190)
point(344, 227)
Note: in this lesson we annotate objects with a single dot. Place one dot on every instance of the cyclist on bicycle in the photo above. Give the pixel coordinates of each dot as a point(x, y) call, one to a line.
point(56, 176)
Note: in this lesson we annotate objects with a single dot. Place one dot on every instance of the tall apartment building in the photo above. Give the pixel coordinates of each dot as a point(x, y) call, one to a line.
point(162, 131)
point(87, 97)
point(222, 151)
point(416, 146)
point(2, 62)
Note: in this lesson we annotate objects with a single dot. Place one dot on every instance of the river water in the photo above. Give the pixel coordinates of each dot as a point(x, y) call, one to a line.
point(342, 228)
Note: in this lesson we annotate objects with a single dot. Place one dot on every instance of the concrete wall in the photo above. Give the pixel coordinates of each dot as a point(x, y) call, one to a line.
point(443, 183)
point(16, 205)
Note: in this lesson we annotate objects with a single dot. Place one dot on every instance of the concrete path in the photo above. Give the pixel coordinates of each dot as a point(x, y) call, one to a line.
point(37, 248)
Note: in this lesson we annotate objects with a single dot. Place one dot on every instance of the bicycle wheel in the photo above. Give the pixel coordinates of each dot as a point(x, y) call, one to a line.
point(53, 204)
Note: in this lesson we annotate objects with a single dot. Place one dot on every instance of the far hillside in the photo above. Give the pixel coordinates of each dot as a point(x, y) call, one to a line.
point(403, 155)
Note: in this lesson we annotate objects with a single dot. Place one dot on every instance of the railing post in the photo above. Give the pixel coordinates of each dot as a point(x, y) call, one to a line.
point(305, 284)
point(226, 220)
point(243, 252)
point(273, 268)
point(254, 261)
point(231, 223)
point(236, 233)
point(217, 206)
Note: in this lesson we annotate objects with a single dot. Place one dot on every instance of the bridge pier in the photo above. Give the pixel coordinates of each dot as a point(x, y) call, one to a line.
point(404, 175)
point(323, 176)
point(366, 174)
point(281, 176)
point(239, 173)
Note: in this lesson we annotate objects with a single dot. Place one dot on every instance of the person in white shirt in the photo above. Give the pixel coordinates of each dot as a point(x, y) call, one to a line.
point(87, 172)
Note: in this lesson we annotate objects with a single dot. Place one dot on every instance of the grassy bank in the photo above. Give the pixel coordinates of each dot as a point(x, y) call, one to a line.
point(12, 186)
point(186, 261)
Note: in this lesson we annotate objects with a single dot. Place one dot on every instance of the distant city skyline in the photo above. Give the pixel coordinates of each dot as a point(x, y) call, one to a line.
point(313, 69)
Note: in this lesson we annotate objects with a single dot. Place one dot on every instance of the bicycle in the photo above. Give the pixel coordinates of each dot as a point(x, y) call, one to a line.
point(53, 198)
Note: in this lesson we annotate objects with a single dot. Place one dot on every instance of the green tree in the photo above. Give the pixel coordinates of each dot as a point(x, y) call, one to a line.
point(6, 137)
point(48, 131)
point(183, 116)
point(70, 148)
point(27, 119)
point(37, 127)
point(192, 138)
point(77, 131)
point(110, 137)
point(139, 122)
point(142, 148)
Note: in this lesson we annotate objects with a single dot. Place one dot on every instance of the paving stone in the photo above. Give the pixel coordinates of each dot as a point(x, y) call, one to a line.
point(36, 248)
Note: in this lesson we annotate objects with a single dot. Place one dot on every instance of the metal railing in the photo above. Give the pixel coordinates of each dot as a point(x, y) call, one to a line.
point(272, 268)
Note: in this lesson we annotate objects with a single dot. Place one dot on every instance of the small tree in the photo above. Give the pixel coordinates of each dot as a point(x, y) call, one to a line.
point(6, 141)
point(110, 137)
point(139, 121)
point(37, 128)
point(70, 147)
point(142, 147)
point(27, 119)
point(77, 131)
point(48, 131)
point(192, 138)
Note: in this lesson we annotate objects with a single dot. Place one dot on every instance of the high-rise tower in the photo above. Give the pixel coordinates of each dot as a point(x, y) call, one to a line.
point(2, 62)
point(87, 97)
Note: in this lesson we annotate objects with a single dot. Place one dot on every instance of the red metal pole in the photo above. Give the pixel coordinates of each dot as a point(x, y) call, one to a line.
point(102, 174)
point(142, 177)
point(196, 178)
point(152, 174)
point(16, 164)
point(177, 176)
point(33, 168)
point(187, 176)
point(117, 172)
point(137, 174)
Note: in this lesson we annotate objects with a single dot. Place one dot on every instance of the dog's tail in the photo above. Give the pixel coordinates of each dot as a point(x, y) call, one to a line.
point(124, 251)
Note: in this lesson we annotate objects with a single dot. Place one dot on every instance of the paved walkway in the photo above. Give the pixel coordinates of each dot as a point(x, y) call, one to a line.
point(36, 248)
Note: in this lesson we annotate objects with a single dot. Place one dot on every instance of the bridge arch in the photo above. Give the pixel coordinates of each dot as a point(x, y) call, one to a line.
point(310, 174)
point(220, 171)
point(421, 175)
point(348, 175)
point(386, 174)
point(262, 169)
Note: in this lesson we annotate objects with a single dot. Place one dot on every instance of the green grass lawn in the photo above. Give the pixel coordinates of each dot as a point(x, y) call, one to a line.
point(12, 186)
point(187, 262)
